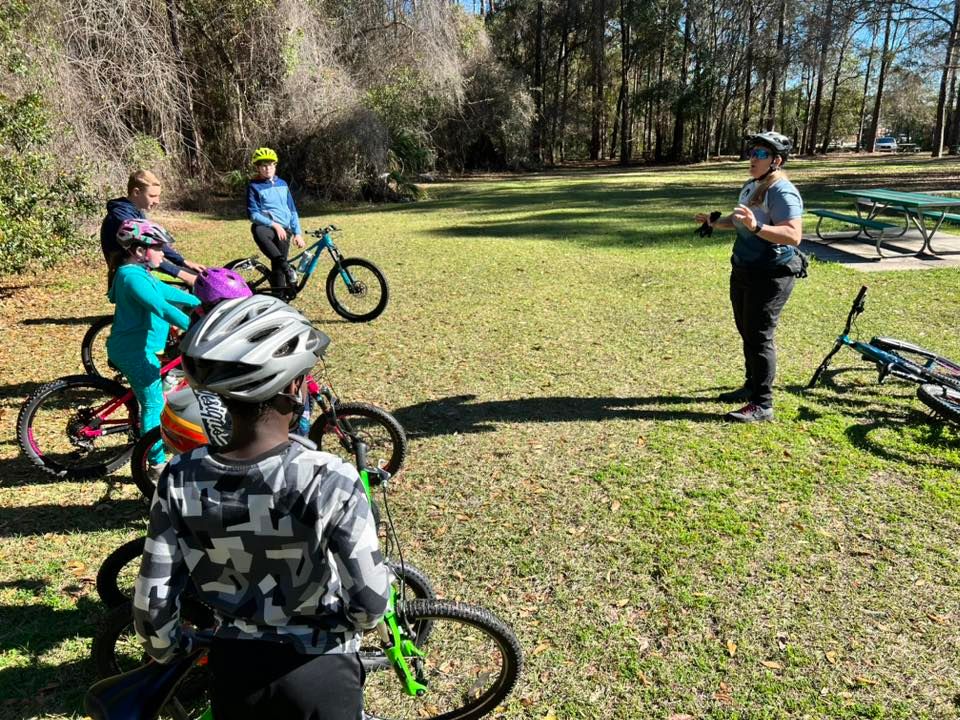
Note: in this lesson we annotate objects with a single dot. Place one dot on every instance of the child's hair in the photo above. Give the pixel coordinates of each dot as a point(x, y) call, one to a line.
point(141, 179)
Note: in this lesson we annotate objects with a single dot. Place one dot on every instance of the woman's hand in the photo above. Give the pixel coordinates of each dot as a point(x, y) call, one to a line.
point(745, 215)
point(281, 232)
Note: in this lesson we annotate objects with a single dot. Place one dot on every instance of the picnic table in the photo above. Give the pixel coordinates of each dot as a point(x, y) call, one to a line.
point(916, 208)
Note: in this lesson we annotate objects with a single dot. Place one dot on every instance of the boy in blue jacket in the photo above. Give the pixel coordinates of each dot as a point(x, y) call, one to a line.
point(143, 194)
point(274, 216)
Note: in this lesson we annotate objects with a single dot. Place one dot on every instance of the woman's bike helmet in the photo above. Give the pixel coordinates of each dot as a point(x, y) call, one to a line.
point(216, 284)
point(250, 349)
point(142, 232)
point(263, 154)
point(780, 144)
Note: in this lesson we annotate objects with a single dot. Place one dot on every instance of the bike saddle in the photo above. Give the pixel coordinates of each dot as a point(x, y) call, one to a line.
point(138, 694)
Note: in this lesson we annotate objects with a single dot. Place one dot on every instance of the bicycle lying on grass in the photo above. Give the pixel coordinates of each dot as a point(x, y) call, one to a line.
point(446, 660)
point(938, 377)
point(356, 288)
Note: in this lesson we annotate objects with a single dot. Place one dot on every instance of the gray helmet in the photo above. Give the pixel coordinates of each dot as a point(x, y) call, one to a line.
point(250, 349)
point(780, 144)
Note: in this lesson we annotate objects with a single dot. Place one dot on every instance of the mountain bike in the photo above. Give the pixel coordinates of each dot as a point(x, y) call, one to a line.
point(334, 425)
point(892, 357)
point(448, 660)
point(356, 288)
point(81, 426)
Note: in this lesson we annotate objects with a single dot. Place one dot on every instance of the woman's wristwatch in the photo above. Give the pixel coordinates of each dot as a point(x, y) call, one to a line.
point(758, 228)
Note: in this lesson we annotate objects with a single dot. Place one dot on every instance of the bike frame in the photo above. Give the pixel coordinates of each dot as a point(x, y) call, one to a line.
point(102, 414)
point(887, 363)
point(324, 242)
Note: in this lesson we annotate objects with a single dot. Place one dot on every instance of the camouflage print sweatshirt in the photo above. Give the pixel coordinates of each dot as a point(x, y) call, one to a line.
point(282, 547)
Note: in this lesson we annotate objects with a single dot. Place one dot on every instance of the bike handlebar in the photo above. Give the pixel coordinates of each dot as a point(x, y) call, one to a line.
point(856, 308)
point(324, 231)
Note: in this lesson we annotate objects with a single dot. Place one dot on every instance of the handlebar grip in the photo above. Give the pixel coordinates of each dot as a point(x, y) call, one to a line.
point(863, 291)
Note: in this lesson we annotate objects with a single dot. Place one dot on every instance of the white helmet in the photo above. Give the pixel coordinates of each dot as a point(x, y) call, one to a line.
point(250, 349)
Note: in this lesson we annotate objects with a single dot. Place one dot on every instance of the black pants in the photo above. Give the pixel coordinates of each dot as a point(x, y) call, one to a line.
point(254, 680)
point(758, 298)
point(276, 250)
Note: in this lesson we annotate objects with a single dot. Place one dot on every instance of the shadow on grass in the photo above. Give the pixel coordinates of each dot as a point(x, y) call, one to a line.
point(85, 320)
point(33, 630)
point(107, 514)
point(459, 414)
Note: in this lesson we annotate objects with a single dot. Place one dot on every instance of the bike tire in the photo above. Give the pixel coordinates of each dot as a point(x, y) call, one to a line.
point(139, 464)
point(253, 272)
point(417, 586)
point(62, 418)
point(369, 279)
point(116, 650)
point(944, 401)
point(822, 367)
point(118, 571)
point(385, 437)
point(936, 364)
point(473, 663)
point(93, 351)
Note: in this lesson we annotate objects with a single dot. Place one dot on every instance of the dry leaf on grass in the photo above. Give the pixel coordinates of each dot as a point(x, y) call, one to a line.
point(831, 657)
point(731, 648)
point(542, 647)
point(772, 664)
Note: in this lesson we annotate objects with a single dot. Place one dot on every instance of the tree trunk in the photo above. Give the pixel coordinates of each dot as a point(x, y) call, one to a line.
point(866, 87)
point(188, 121)
point(884, 62)
point(596, 52)
point(825, 47)
point(561, 60)
point(679, 124)
point(626, 133)
point(955, 124)
point(775, 80)
point(536, 140)
point(833, 94)
point(747, 76)
point(938, 131)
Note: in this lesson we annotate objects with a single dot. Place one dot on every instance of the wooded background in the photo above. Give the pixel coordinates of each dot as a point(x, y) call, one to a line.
point(361, 97)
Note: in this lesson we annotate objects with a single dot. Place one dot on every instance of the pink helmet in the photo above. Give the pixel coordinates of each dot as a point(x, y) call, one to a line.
point(142, 232)
point(216, 284)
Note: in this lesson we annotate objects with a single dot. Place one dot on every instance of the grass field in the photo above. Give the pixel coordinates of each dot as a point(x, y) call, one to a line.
point(553, 346)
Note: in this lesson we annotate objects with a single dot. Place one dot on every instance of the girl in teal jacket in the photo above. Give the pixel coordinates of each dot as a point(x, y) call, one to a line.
point(145, 310)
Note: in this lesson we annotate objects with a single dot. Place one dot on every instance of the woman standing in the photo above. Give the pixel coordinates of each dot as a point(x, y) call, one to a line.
point(766, 264)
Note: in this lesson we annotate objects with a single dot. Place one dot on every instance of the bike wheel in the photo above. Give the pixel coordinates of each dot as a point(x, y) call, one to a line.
point(473, 661)
point(824, 365)
point(93, 350)
point(253, 272)
point(116, 650)
point(416, 586)
point(357, 290)
point(944, 401)
point(65, 426)
point(139, 464)
point(118, 573)
point(386, 441)
point(938, 365)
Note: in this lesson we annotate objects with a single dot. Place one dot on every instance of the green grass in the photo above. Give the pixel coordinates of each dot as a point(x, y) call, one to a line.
point(553, 346)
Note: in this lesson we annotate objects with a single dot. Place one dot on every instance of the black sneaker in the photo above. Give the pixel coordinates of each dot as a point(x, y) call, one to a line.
point(750, 412)
point(741, 394)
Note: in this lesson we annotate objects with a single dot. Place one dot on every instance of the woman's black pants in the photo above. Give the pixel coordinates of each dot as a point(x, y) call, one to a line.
point(276, 250)
point(255, 679)
point(758, 298)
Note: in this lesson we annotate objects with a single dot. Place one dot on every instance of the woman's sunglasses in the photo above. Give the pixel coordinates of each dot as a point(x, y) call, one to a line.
point(760, 153)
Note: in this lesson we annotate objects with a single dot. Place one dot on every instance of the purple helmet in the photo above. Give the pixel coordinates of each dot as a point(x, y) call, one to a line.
point(216, 284)
point(142, 232)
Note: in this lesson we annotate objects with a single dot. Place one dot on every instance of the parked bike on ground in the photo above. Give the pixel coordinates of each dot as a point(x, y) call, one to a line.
point(938, 377)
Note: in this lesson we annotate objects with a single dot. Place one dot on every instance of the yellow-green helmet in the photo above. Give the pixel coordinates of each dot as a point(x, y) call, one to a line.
point(263, 154)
